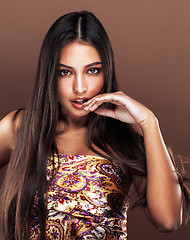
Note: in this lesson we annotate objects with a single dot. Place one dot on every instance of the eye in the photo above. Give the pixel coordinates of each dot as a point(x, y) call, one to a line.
point(94, 70)
point(64, 72)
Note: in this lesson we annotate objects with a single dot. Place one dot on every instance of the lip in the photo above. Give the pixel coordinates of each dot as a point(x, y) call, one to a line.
point(79, 105)
point(81, 98)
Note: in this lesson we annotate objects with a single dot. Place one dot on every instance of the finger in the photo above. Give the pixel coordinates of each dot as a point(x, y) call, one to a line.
point(91, 100)
point(105, 112)
point(111, 98)
point(92, 106)
point(111, 113)
point(98, 100)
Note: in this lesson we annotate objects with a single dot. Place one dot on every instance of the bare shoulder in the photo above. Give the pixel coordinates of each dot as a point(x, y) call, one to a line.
point(8, 127)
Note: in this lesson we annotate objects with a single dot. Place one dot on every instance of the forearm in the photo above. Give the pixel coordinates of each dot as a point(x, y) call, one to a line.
point(163, 191)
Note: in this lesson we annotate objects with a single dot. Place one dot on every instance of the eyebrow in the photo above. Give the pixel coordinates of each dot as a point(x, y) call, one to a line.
point(86, 66)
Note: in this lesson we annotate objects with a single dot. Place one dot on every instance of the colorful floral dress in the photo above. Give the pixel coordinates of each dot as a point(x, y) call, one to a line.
point(86, 200)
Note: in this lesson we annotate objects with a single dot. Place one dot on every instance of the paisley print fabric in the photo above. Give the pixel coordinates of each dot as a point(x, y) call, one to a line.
point(86, 200)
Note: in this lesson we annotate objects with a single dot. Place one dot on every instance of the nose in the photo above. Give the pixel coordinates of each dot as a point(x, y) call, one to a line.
point(80, 85)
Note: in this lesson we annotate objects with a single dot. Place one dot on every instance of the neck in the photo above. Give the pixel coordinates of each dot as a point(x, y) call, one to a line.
point(76, 123)
point(73, 123)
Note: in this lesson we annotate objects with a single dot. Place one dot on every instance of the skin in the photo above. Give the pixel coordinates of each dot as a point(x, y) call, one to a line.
point(77, 79)
point(164, 200)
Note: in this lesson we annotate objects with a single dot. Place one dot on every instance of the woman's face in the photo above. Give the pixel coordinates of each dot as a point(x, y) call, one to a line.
point(80, 77)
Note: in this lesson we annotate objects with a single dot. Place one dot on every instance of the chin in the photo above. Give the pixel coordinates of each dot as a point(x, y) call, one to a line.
point(81, 113)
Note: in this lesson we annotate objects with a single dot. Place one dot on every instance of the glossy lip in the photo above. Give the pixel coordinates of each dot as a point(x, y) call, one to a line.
point(79, 105)
point(81, 98)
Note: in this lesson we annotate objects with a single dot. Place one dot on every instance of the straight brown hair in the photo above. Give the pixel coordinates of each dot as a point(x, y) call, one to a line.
point(26, 174)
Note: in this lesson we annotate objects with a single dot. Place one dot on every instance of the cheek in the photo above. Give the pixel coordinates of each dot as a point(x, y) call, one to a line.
point(99, 85)
point(61, 90)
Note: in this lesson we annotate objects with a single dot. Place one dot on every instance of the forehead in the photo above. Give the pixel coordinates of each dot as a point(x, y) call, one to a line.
point(79, 54)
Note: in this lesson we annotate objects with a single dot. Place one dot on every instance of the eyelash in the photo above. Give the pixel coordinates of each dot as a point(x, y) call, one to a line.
point(65, 72)
point(94, 70)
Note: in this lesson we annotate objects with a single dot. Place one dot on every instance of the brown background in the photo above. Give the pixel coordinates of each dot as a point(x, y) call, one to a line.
point(151, 41)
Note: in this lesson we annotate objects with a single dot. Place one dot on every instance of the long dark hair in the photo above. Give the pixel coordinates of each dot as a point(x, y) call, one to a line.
point(26, 174)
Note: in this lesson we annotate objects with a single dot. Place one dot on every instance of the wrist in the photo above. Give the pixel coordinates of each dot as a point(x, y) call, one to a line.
point(150, 121)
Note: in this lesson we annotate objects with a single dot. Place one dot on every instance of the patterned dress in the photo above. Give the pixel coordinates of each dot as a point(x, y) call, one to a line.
point(86, 200)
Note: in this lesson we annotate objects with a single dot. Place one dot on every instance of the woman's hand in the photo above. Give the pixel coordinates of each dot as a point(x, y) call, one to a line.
point(162, 188)
point(127, 109)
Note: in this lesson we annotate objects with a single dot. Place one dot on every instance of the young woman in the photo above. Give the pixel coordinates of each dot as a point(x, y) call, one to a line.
point(80, 144)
